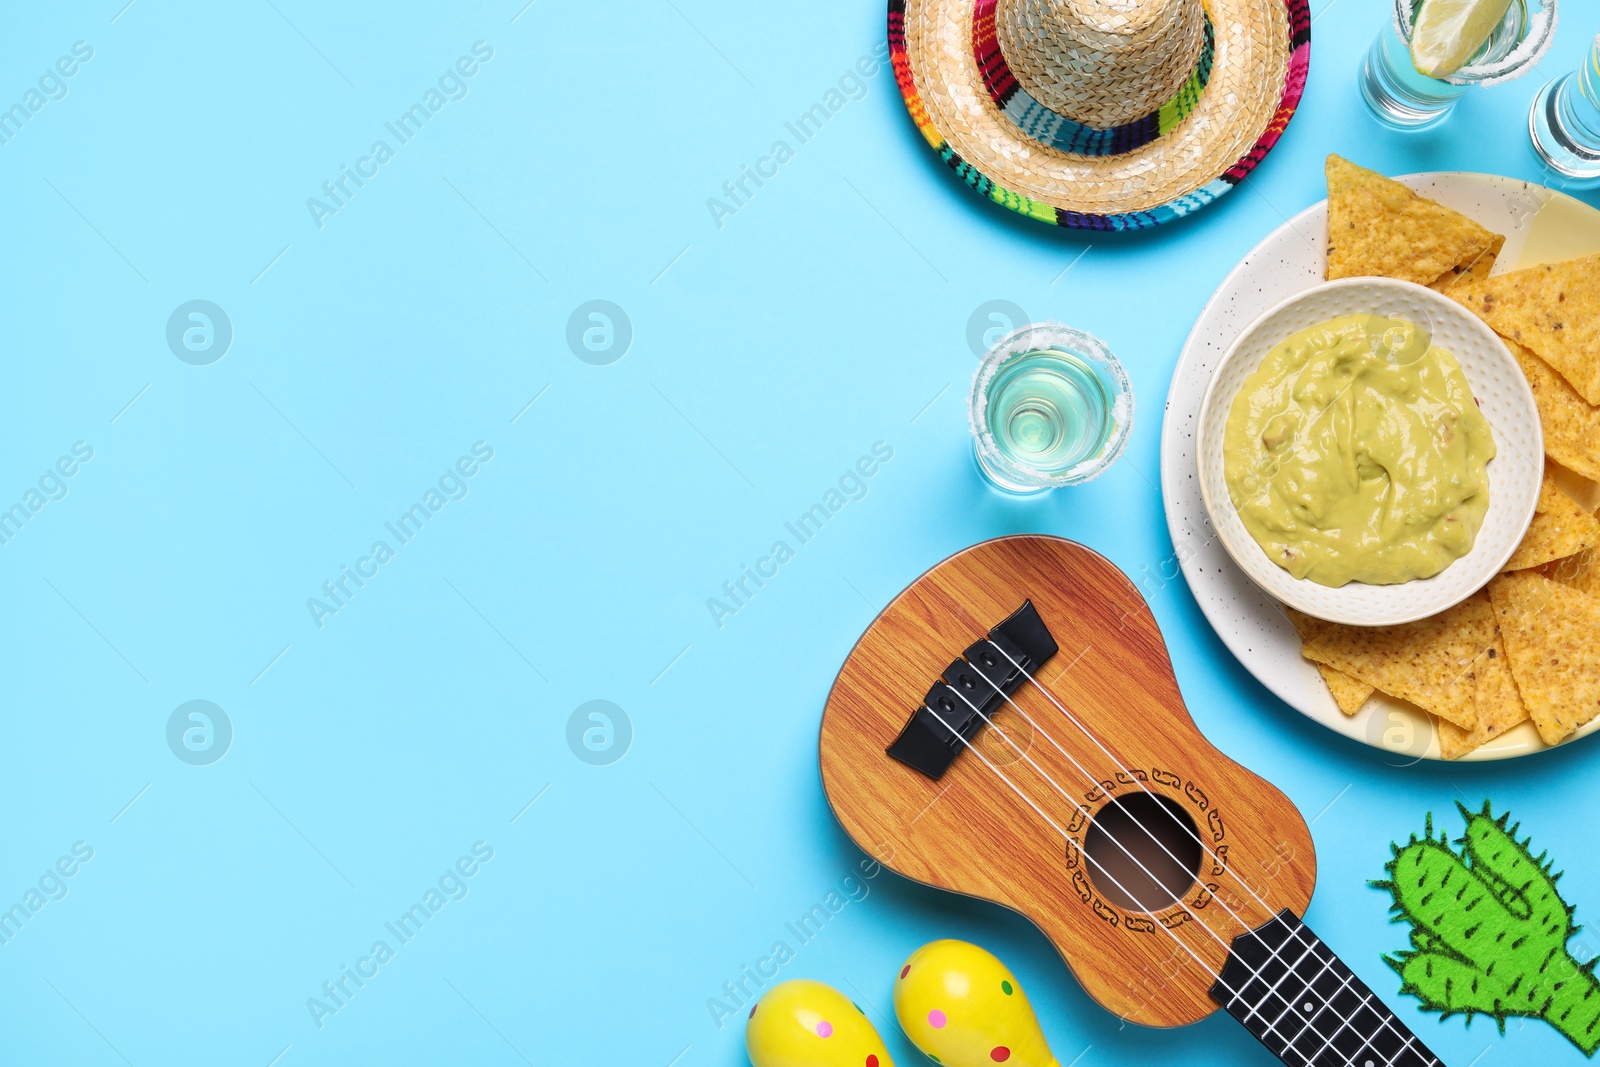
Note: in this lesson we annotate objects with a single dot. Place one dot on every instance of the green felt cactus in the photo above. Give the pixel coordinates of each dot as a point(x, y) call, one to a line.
point(1489, 931)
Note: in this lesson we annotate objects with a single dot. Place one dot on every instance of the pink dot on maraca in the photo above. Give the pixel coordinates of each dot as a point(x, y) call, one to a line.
point(905, 970)
point(936, 1019)
point(999, 1054)
point(824, 1029)
point(872, 1061)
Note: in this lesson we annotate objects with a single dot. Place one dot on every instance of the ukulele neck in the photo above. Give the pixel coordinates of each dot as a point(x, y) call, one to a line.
point(1307, 1007)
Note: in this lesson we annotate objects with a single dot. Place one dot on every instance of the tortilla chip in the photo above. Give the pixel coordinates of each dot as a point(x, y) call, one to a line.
point(1429, 663)
point(1560, 528)
point(1584, 491)
point(1466, 274)
point(1549, 633)
point(1554, 309)
point(1349, 693)
point(1571, 424)
point(1499, 704)
point(1378, 226)
point(1580, 572)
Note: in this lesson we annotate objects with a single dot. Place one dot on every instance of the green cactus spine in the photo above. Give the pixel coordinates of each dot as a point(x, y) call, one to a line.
point(1489, 931)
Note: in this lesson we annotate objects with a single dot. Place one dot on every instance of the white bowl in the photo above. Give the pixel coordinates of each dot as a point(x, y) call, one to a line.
point(1502, 392)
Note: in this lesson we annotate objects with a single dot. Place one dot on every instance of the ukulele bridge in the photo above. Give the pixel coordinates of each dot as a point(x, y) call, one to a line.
point(971, 690)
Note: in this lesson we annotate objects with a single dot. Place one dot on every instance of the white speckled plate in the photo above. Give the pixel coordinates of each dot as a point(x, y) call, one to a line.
point(1540, 225)
point(1502, 393)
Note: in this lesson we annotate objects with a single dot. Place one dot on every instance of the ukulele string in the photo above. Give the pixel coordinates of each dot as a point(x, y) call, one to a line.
point(1307, 949)
point(1253, 973)
point(1148, 833)
point(1191, 831)
point(1057, 827)
point(1327, 1042)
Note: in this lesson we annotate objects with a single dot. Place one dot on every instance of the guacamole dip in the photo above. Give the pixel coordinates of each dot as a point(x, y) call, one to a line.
point(1355, 453)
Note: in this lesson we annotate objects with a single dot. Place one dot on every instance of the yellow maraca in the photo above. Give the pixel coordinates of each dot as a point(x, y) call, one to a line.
point(801, 1023)
point(963, 1008)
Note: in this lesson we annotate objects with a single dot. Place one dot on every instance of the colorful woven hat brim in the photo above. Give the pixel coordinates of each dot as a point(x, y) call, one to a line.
point(1193, 160)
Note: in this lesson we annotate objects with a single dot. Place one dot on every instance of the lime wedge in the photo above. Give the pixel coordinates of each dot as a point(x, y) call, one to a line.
point(1447, 33)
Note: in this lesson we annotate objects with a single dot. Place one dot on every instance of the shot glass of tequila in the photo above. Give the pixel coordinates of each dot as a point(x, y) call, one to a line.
point(1564, 124)
point(1402, 97)
point(1050, 406)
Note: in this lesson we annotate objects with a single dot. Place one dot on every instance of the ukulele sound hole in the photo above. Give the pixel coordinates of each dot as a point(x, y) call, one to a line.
point(1143, 850)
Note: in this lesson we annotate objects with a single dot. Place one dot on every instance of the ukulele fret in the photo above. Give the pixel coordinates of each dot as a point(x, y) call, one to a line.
point(1306, 1006)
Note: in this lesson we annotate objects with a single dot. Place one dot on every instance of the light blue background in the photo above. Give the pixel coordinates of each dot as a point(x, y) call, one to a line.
point(827, 314)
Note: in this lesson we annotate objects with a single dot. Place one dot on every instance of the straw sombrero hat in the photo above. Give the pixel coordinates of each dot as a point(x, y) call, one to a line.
point(1101, 114)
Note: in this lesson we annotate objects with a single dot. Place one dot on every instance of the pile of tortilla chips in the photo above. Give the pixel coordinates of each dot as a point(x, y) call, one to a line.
point(1528, 645)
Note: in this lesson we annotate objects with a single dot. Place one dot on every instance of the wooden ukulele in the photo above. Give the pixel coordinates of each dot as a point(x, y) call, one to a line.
point(1010, 728)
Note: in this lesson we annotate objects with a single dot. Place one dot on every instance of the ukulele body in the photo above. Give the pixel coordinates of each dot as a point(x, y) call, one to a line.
point(1012, 826)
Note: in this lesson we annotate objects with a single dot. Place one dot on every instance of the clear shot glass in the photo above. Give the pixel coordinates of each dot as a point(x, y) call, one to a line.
point(1050, 406)
point(1401, 97)
point(1564, 124)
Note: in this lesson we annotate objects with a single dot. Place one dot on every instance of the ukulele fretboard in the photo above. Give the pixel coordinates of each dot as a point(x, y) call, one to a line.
point(1307, 1007)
